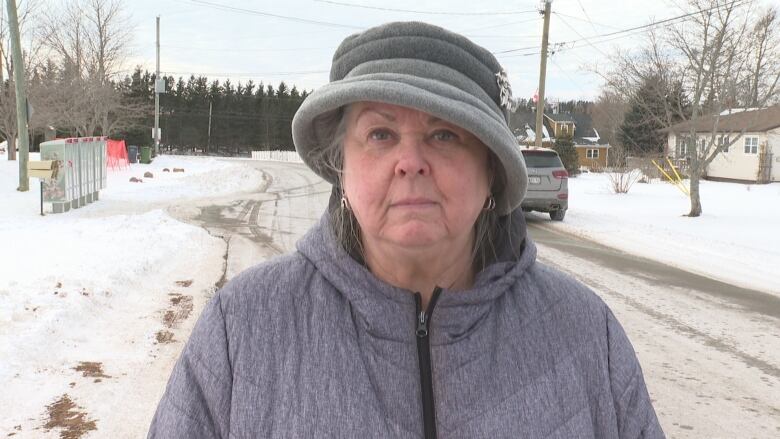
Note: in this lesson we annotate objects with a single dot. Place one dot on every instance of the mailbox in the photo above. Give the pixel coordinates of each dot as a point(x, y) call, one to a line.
point(81, 174)
point(43, 169)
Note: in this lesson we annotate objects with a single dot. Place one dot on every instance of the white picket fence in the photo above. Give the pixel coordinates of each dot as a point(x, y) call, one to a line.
point(279, 156)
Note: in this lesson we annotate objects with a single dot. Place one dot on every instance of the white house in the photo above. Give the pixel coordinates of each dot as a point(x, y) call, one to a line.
point(752, 144)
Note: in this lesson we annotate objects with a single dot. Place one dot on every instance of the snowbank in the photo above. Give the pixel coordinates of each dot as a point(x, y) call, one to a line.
point(94, 303)
point(736, 240)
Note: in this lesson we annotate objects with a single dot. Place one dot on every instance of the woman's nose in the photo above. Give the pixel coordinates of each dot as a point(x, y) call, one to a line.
point(411, 157)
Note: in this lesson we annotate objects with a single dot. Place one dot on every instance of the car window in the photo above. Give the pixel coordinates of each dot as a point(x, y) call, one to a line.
point(542, 159)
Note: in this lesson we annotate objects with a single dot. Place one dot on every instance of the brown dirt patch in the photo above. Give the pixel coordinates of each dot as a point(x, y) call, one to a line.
point(181, 308)
point(91, 369)
point(164, 336)
point(184, 283)
point(64, 414)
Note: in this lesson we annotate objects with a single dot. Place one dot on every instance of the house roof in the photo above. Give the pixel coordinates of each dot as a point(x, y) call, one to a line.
point(583, 127)
point(761, 120)
point(523, 121)
point(560, 117)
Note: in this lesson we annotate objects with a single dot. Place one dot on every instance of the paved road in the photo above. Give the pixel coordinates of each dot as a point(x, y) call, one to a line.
point(710, 351)
point(656, 273)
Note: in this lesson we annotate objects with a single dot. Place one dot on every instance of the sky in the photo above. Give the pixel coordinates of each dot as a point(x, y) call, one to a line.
point(245, 39)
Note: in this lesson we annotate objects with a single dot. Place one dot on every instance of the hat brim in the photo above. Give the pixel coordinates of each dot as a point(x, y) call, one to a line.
point(430, 96)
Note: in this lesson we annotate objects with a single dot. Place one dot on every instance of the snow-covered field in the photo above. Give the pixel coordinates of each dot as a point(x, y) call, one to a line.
point(93, 302)
point(736, 240)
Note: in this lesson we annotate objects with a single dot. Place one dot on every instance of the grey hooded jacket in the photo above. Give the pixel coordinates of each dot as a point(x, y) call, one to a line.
point(312, 345)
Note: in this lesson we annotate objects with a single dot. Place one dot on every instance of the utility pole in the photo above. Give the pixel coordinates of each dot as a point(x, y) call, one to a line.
point(542, 75)
point(156, 94)
point(21, 98)
point(208, 139)
point(2, 35)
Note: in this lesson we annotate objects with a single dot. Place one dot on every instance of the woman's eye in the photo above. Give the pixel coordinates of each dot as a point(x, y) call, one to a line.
point(445, 136)
point(380, 135)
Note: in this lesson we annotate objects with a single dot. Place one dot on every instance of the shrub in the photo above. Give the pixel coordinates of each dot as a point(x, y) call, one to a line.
point(564, 146)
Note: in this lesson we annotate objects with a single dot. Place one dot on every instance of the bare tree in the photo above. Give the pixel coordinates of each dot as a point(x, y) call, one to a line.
point(108, 37)
point(90, 40)
point(763, 61)
point(706, 59)
point(28, 25)
point(607, 114)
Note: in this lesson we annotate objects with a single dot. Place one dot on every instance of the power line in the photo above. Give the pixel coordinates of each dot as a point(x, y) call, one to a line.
point(667, 20)
point(522, 54)
point(232, 49)
point(624, 31)
point(574, 17)
point(247, 74)
point(587, 40)
point(514, 37)
point(493, 26)
point(561, 47)
point(268, 14)
point(355, 5)
point(586, 16)
point(573, 81)
point(570, 45)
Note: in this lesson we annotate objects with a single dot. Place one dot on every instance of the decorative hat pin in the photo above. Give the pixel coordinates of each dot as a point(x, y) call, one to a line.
point(505, 91)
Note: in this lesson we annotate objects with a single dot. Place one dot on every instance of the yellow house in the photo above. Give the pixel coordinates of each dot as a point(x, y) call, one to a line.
point(592, 152)
point(592, 156)
point(562, 124)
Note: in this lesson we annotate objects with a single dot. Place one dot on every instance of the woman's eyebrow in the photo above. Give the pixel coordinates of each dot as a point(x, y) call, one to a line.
point(387, 116)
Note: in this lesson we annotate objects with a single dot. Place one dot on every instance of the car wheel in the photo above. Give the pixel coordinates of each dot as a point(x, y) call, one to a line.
point(557, 215)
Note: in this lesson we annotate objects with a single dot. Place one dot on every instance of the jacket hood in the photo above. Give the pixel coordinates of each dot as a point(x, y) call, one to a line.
point(387, 312)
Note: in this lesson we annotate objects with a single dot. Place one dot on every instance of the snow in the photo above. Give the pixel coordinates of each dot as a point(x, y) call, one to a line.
point(735, 240)
point(98, 284)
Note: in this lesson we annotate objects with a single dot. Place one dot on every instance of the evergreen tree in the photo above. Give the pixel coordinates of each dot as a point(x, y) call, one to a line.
point(564, 146)
point(641, 132)
point(282, 92)
point(244, 117)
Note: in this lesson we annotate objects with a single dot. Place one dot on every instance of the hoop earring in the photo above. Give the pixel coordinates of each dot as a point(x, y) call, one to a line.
point(345, 203)
point(490, 204)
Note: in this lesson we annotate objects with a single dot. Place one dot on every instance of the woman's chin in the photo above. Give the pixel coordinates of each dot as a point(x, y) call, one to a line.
point(416, 234)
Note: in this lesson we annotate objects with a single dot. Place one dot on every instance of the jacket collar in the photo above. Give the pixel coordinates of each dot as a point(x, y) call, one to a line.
point(387, 312)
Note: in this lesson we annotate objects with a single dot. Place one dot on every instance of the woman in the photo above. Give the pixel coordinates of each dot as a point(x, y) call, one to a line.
point(416, 307)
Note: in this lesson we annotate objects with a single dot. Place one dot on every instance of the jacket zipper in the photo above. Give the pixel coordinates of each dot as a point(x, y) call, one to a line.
point(424, 357)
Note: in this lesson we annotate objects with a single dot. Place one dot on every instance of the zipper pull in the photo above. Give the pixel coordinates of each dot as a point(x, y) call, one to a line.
point(422, 319)
point(422, 325)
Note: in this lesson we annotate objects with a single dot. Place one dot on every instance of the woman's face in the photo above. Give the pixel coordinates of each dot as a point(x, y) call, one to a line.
point(411, 179)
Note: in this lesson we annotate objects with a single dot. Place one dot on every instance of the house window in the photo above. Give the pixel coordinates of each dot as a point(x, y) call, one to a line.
point(592, 153)
point(723, 143)
point(681, 146)
point(751, 144)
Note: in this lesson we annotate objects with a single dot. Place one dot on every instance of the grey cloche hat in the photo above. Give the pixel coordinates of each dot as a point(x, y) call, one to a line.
point(428, 68)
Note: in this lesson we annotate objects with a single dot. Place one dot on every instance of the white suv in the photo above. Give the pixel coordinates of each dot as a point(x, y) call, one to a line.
point(548, 189)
